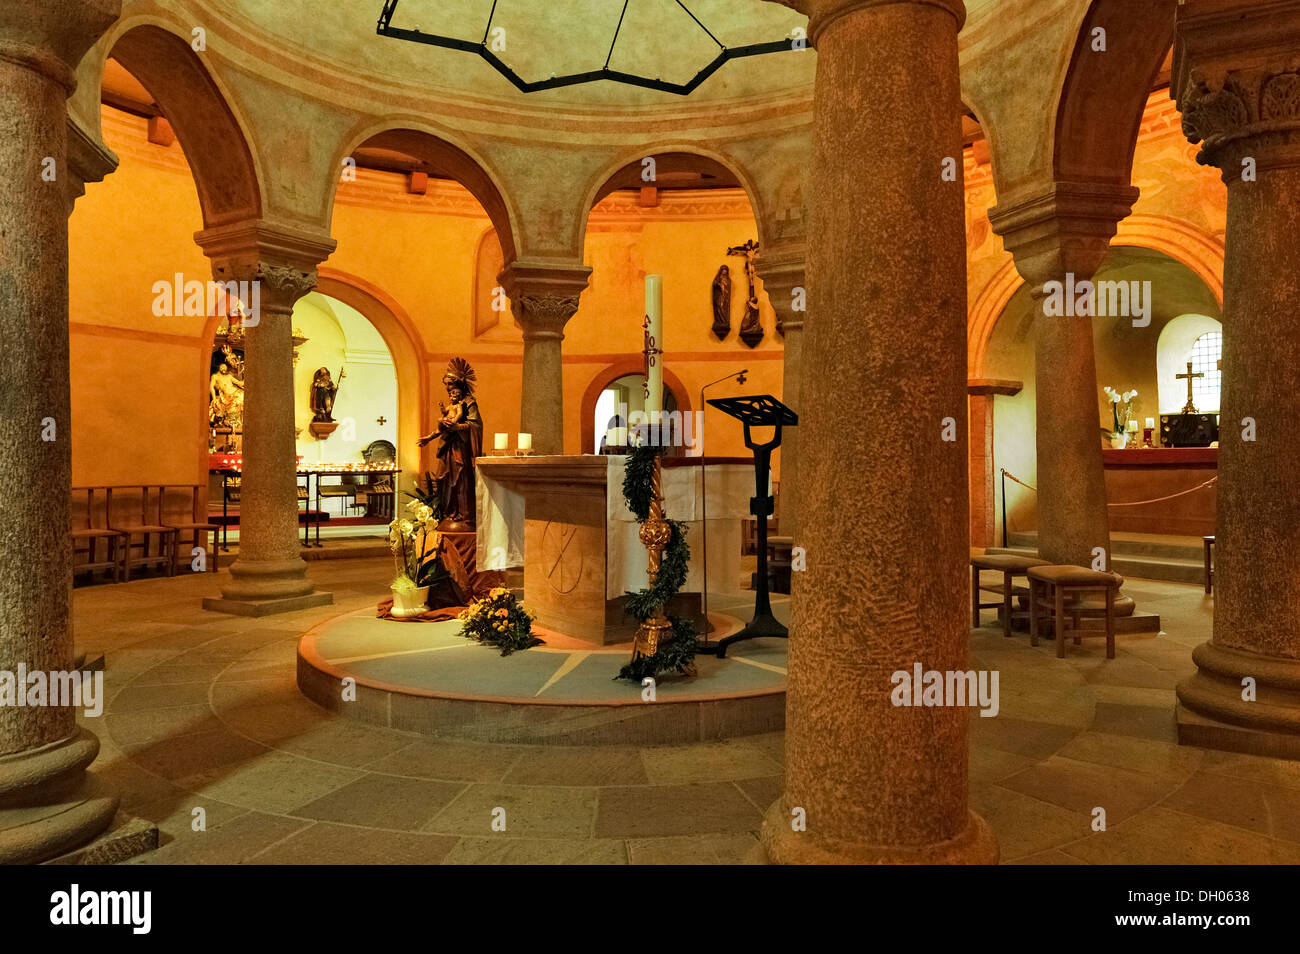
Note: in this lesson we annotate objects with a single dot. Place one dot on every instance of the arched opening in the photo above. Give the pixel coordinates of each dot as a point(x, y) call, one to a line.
point(625, 379)
point(1132, 352)
point(690, 219)
point(1195, 340)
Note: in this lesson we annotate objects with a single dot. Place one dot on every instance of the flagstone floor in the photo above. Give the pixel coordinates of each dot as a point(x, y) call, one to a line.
point(203, 713)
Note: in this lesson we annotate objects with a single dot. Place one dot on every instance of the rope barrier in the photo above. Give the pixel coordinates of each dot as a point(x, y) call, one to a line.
point(1132, 503)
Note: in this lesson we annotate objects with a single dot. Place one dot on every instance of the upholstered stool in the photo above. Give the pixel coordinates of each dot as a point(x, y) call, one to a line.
point(1062, 590)
point(1010, 566)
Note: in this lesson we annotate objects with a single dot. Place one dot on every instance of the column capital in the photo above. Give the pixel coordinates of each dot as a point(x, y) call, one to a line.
point(544, 295)
point(1062, 227)
point(52, 36)
point(283, 257)
point(822, 13)
point(1236, 79)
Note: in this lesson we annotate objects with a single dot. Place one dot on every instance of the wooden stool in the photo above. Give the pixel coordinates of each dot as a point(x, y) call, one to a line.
point(1010, 566)
point(1060, 589)
point(1209, 564)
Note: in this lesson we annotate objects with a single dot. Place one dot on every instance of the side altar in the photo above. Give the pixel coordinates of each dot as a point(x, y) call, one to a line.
point(564, 520)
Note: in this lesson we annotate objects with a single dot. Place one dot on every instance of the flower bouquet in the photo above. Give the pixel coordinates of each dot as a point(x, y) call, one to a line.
point(499, 620)
point(1121, 407)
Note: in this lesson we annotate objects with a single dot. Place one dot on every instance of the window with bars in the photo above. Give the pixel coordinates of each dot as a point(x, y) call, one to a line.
point(1205, 356)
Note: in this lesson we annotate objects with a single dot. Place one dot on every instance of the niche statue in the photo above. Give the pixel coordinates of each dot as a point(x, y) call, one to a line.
point(457, 440)
point(323, 391)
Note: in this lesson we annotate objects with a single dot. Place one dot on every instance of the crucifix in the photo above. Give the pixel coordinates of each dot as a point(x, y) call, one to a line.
point(1190, 408)
point(751, 331)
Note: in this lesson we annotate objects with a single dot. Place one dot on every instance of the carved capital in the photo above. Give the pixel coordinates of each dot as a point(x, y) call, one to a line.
point(822, 13)
point(544, 295)
point(544, 316)
point(287, 281)
point(782, 269)
point(1236, 80)
point(279, 257)
point(1061, 228)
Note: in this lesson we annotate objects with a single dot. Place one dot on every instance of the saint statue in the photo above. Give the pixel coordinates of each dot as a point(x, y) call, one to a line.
point(225, 399)
point(457, 440)
point(722, 302)
point(323, 391)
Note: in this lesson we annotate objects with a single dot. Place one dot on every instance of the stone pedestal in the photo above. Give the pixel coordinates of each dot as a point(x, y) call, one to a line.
point(543, 298)
point(1235, 79)
point(49, 803)
point(884, 525)
point(269, 576)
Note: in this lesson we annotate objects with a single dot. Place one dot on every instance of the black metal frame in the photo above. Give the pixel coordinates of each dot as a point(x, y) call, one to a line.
point(386, 28)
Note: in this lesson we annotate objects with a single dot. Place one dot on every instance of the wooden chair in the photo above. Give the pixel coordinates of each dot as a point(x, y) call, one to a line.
point(1062, 590)
point(85, 515)
point(1010, 566)
point(180, 510)
point(135, 513)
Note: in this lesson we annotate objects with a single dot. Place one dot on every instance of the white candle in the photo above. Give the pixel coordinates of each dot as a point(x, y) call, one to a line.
point(654, 343)
point(1133, 426)
point(501, 441)
point(1151, 422)
point(525, 441)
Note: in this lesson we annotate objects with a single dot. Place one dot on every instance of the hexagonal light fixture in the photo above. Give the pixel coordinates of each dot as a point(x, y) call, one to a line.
point(483, 49)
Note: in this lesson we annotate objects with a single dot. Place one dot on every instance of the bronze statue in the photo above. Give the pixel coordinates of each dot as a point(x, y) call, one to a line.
point(722, 302)
point(323, 391)
point(751, 331)
point(458, 439)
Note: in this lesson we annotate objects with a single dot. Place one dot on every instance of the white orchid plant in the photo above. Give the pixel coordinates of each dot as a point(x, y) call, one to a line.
point(1121, 406)
point(407, 538)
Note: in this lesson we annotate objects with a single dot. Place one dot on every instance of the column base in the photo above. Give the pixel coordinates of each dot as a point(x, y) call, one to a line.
point(127, 838)
point(975, 845)
point(1212, 712)
point(49, 803)
point(267, 607)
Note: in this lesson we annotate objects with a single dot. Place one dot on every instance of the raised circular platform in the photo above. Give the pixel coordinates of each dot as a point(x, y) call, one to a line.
point(424, 677)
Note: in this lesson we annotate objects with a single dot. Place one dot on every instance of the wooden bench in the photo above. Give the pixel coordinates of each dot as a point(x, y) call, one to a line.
point(1010, 566)
point(1061, 590)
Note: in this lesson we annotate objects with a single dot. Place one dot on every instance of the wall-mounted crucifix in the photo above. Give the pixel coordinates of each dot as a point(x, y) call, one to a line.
point(751, 332)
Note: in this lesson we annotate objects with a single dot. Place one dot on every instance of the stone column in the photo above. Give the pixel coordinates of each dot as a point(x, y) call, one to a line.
point(1064, 230)
point(782, 272)
point(1236, 79)
point(48, 801)
point(278, 265)
point(884, 522)
point(543, 298)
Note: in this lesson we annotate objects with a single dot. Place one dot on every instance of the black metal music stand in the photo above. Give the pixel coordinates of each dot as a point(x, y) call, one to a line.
point(757, 410)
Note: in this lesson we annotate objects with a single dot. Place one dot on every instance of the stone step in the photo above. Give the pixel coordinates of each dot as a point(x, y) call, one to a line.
point(1134, 545)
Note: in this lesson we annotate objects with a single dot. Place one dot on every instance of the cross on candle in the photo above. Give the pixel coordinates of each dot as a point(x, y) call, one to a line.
point(1190, 376)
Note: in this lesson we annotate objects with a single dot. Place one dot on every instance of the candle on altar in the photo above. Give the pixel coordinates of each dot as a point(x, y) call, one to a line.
point(654, 334)
point(1132, 427)
point(525, 442)
point(501, 441)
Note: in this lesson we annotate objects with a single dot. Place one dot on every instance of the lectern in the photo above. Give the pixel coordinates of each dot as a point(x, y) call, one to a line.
point(757, 410)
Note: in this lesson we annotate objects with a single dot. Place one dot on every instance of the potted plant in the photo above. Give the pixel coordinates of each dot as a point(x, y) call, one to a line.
point(1121, 407)
point(408, 539)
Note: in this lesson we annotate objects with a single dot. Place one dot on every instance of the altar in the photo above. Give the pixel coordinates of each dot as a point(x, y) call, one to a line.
point(1174, 477)
point(564, 520)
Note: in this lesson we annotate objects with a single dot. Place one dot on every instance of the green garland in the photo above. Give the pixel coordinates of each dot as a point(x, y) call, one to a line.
point(673, 567)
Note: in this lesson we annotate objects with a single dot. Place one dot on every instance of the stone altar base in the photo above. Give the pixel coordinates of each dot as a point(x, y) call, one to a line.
point(426, 678)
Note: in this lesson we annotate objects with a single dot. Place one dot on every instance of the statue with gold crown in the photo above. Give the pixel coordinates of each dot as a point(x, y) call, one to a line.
point(457, 440)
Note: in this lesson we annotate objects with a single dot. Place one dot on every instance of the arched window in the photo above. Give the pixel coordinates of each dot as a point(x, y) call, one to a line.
point(1205, 356)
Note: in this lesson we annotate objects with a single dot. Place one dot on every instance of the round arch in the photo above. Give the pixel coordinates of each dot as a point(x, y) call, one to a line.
point(404, 344)
point(445, 157)
point(216, 140)
point(1184, 243)
point(611, 373)
point(604, 181)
